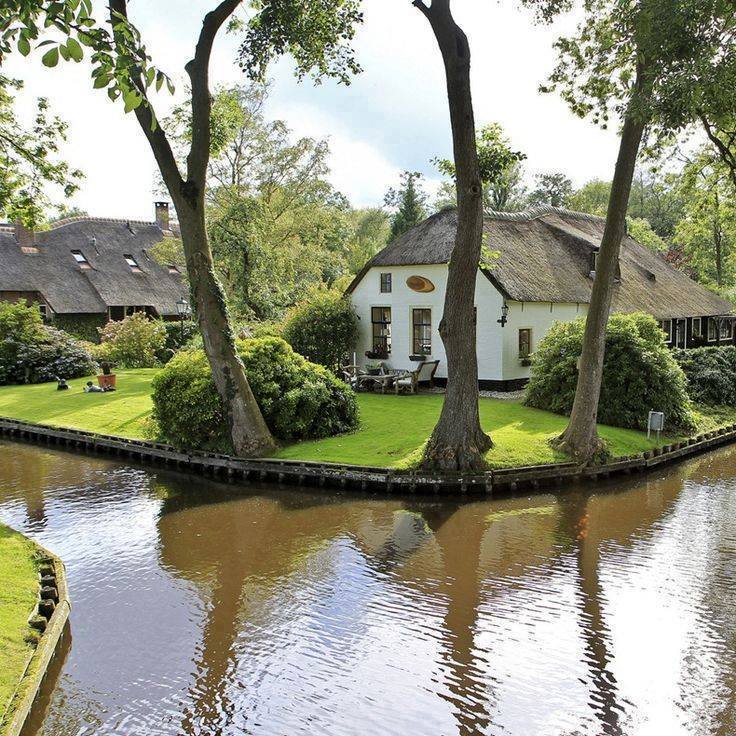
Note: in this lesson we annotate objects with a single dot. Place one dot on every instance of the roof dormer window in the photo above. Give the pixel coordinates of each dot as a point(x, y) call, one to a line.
point(80, 258)
point(132, 263)
point(173, 269)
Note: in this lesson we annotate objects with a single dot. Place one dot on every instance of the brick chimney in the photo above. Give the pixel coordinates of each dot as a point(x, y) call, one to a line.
point(162, 215)
point(25, 237)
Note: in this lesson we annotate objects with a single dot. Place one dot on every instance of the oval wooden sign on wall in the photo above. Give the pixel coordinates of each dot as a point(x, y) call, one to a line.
point(420, 284)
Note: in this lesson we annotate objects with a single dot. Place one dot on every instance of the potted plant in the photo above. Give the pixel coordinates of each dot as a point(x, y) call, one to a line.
point(107, 378)
point(376, 354)
point(417, 357)
point(525, 359)
point(373, 369)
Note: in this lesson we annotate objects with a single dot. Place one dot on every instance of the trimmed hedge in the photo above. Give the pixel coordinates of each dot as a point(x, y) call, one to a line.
point(710, 373)
point(299, 400)
point(639, 374)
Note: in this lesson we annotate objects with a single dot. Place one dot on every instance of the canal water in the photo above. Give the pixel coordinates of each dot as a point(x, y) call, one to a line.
point(198, 610)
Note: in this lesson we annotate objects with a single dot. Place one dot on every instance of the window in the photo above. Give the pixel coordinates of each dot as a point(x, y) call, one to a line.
point(726, 329)
point(173, 268)
point(720, 329)
point(385, 283)
point(697, 327)
point(44, 311)
point(131, 262)
point(525, 343)
point(422, 331)
point(80, 259)
point(381, 322)
point(666, 325)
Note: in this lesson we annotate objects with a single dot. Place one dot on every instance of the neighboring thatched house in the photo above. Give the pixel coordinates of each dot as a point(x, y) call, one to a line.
point(543, 274)
point(84, 271)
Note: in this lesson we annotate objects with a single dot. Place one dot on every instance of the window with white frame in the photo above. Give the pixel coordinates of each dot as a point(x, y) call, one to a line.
point(666, 326)
point(697, 328)
point(80, 258)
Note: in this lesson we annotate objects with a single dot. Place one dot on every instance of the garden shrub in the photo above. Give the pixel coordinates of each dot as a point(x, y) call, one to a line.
point(135, 342)
point(323, 329)
point(710, 373)
point(173, 341)
point(299, 400)
point(639, 374)
point(30, 352)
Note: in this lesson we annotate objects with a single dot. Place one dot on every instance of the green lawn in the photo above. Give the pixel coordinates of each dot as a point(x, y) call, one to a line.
point(393, 428)
point(123, 412)
point(18, 592)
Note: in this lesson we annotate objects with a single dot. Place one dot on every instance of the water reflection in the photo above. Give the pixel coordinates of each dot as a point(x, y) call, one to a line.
point(199, 611)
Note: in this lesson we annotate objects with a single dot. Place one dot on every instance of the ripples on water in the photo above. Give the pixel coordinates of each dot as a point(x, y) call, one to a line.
point(197, 611)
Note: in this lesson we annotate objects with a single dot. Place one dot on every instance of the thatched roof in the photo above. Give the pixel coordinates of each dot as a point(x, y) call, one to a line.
point(545, 256)
point(69, 289)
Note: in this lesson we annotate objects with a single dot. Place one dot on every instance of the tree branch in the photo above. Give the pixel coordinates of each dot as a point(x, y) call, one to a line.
point(728, 156)
point(148, 121)
point(198, 71)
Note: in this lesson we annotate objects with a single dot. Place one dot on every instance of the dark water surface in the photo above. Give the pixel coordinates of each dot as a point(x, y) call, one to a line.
point(198, 611)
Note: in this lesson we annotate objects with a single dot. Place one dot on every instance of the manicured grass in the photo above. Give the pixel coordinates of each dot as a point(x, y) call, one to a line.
point(18, 592)
point(394, 429)
point(392, 432)
point(123, 412)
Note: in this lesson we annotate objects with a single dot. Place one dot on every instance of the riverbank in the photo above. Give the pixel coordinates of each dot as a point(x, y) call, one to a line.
point(392, 432)
point(18, 596)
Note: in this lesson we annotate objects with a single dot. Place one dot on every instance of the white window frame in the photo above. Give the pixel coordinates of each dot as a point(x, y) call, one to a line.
point(699, 332)
point(518, 340)
point(668, 331)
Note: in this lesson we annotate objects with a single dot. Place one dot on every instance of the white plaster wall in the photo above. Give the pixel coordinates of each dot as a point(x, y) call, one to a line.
point(539, 317)
point(497, 347)
point(402, 300)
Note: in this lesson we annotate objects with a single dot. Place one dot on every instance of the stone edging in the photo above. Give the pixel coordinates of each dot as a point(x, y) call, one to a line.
point(49, 617)
point(385, 480)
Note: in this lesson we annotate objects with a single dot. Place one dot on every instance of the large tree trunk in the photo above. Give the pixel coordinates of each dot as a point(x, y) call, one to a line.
point(248, 430)
point(580, 439)
point(458, 443)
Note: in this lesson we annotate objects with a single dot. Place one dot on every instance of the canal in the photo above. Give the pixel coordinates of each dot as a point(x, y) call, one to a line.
point(198, 610)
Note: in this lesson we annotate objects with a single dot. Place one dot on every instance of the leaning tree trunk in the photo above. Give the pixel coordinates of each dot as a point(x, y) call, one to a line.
point(580, 439)
point(248, 430)
point(458, 443)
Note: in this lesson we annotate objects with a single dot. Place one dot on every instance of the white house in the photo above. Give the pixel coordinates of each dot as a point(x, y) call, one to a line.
point(543, 274)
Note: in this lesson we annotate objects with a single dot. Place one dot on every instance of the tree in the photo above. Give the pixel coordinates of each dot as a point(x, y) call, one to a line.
point(500, 170)
point(30, 159)
point(407, 202)
point(648, 43)
point(458, 442)
point(707, 231)
point(315, 35)
point(592, 197)
point(551, 189)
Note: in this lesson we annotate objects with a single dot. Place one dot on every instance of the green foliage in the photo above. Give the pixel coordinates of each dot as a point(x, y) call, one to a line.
point(178, 334)
point(500, 170)
point(407, 202)
point(81, 326)
point(710, 373)
point(135, 342)
point(30, 352)
point(642, 231)
point(30, 159)
point(323, 329)
point(552, 189)
point(639, 374)
point(298, 399)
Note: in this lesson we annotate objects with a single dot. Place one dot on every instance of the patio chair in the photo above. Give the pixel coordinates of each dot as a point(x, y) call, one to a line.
point(352, 375)
point(423, 373)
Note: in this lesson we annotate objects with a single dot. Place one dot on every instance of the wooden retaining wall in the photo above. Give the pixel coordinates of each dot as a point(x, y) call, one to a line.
point(375, 479)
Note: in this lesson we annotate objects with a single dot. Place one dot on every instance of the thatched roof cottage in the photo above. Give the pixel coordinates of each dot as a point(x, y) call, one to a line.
point(88, 270)
point(543, 273)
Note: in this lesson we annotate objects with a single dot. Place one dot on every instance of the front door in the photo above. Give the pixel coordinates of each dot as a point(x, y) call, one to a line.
point(680, 333)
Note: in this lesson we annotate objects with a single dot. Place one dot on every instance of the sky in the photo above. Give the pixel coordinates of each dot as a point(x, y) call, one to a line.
point(393, 117)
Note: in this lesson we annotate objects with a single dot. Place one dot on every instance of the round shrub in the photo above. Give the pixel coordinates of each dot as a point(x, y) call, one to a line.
point(323, 329)
point(639, 374)
point(174, 341)
point(298, 399)
point(710, 373)
point(134, 342)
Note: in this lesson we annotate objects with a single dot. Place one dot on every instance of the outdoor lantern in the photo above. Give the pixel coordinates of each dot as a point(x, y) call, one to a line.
point(504, 315)
point(182, 307)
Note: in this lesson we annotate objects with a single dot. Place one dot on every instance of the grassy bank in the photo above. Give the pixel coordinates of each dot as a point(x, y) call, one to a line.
point(18, 593)
point(392, 432)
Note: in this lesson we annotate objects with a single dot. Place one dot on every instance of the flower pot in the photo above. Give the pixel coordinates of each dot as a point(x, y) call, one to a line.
point(417, 358)
point(375, 355)
point(374, 371)
point(106, 380)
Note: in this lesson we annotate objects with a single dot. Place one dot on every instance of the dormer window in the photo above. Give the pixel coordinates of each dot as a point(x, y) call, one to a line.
point(79, 257)
point(132, 263)
point(593, 263)
point(173, 269)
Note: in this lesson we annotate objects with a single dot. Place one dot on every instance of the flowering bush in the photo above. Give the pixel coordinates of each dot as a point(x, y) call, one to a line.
point(135, 342)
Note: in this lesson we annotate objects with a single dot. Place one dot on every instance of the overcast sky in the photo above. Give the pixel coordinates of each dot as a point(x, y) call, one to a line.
point(393, 117)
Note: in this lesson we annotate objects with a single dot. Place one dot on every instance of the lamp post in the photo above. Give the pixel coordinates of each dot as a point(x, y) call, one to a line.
point(182, 309)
